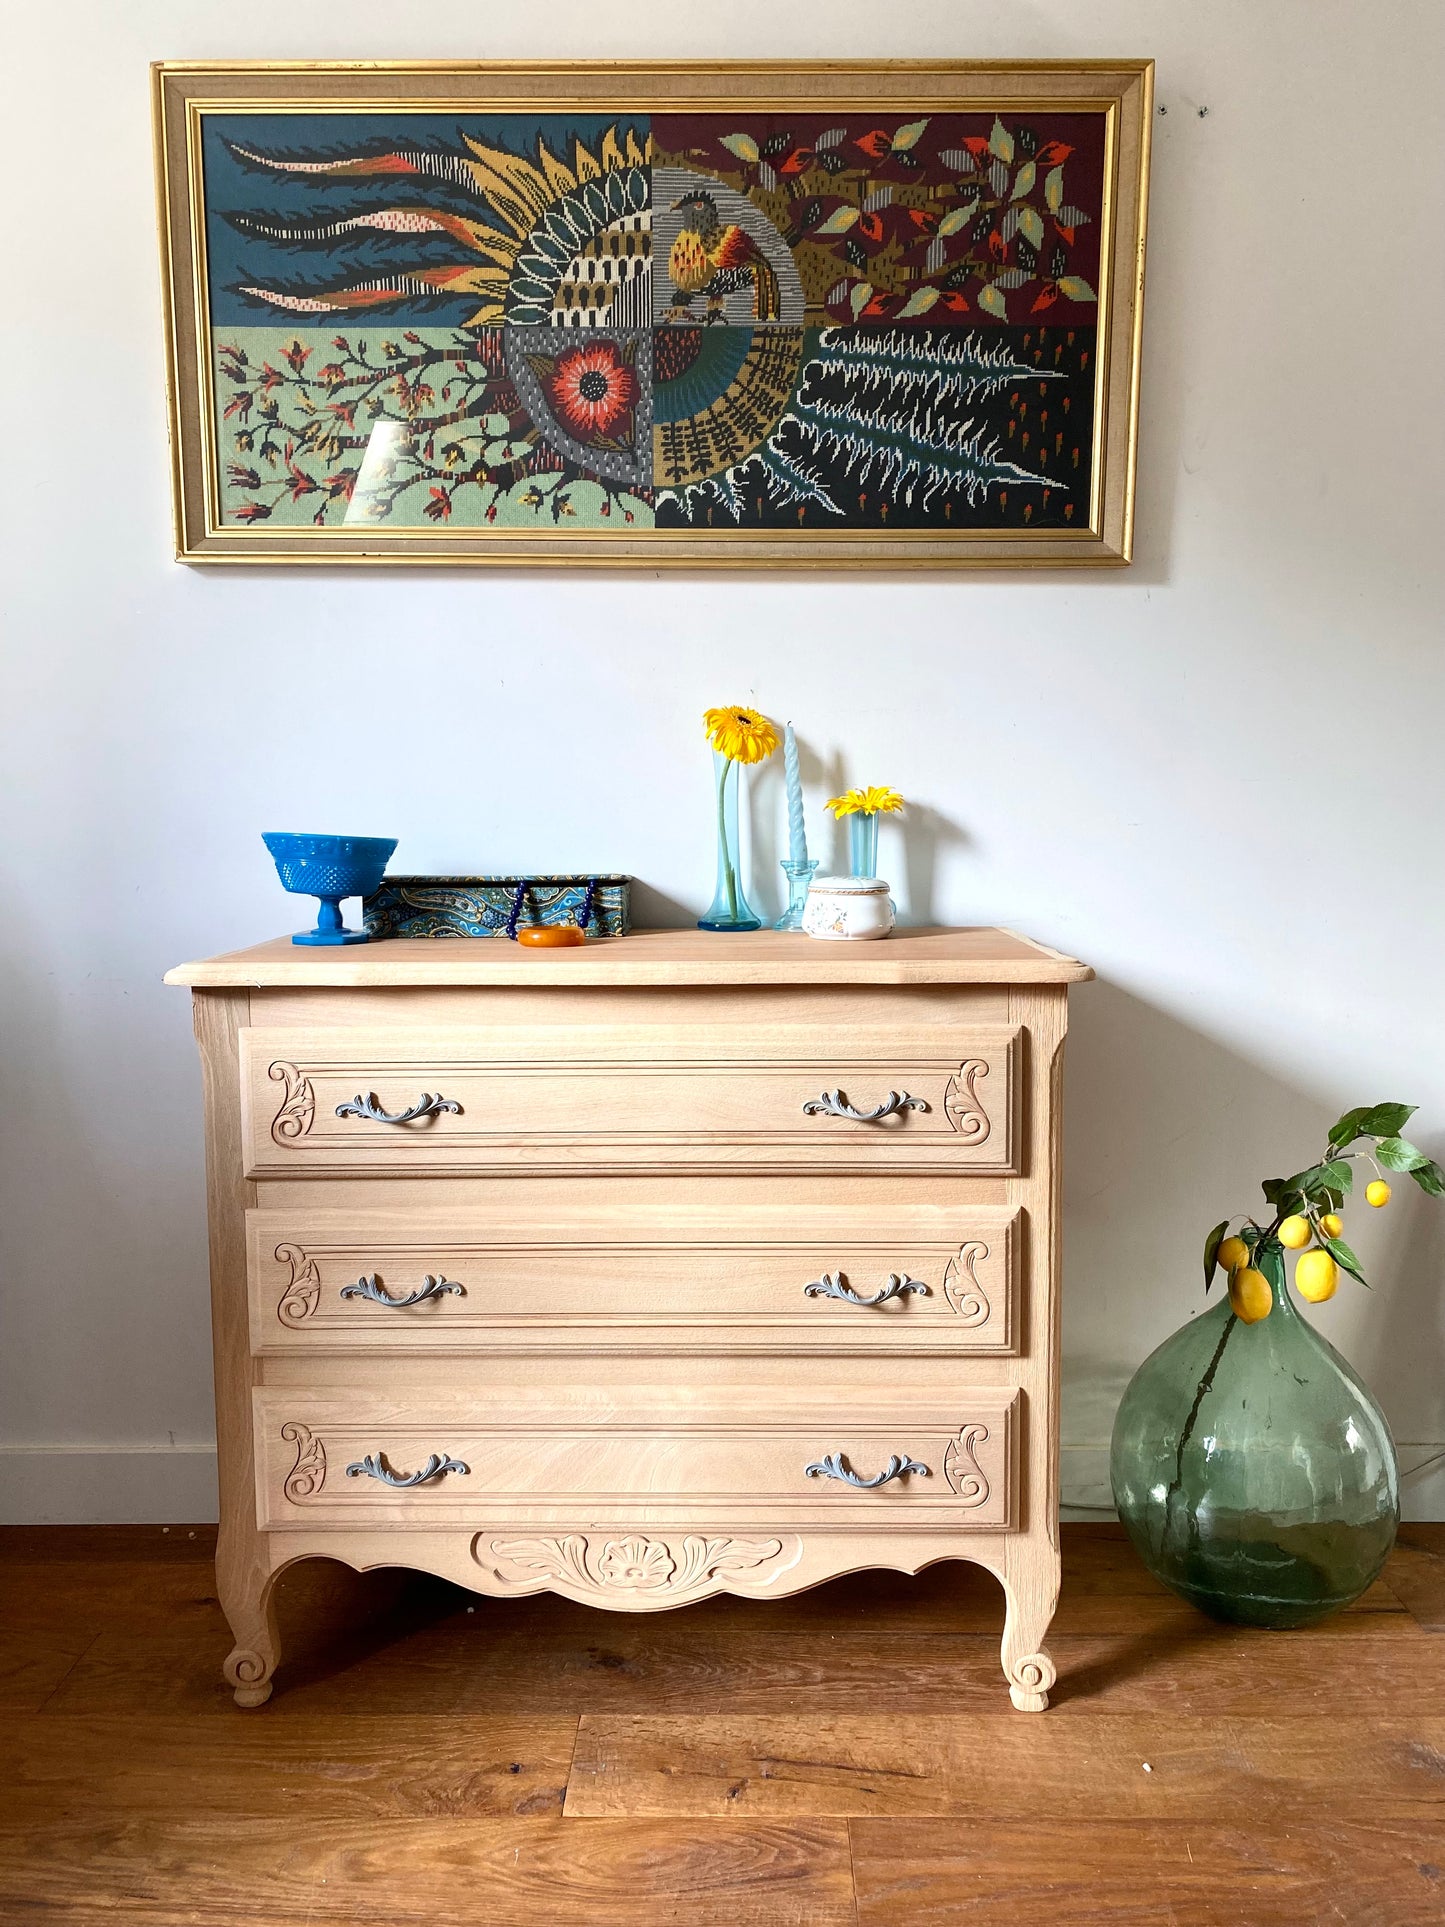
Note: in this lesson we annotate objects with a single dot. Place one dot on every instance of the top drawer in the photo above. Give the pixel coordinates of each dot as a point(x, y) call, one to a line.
point(629, 1098)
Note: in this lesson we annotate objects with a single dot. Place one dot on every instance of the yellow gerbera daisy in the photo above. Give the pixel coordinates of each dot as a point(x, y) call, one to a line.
point(874, 801)
point(742, 735)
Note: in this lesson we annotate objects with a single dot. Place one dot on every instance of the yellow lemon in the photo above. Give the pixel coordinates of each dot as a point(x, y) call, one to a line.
point(1233, 1253)
point(1333, 1225)
point(1294, 1232)
point(1316, 1276)
point(1377, 1193)
point(1250, 1297)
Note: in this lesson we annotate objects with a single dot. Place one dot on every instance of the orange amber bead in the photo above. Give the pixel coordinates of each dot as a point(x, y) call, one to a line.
point(549, 936)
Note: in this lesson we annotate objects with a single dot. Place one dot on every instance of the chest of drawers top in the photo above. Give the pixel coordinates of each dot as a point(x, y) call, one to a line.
point(659, 959)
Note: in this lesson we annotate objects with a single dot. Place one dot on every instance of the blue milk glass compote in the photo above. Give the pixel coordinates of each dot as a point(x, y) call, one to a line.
point(329, 867)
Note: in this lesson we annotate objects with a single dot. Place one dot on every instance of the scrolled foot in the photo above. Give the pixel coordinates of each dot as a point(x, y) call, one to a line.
point(250, 1674)
point(1029, 1681)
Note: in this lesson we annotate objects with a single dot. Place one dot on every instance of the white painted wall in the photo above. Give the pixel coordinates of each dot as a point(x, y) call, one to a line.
point(1218, 776)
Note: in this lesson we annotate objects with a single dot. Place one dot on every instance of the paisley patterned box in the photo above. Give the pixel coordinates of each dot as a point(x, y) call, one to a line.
point(494, 906)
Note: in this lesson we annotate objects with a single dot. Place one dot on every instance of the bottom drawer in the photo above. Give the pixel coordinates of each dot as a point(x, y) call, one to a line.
point(367, 1460)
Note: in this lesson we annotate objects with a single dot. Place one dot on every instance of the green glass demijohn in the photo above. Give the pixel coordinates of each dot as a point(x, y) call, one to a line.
point(1253, 1471)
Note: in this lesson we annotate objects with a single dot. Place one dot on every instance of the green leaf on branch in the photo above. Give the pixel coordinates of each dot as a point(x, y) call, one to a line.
point(1430, 1178)
point(1346, 1259)
point(1370, 1120)
point(1211, 1252)
point(1335, 1175)
point(1284, 1196)
point(1398, 1154)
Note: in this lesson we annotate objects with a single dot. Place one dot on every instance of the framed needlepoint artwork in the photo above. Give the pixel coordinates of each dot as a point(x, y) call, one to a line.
point(654, 315)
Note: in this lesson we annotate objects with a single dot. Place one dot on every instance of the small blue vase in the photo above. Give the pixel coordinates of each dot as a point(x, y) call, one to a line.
point(863, 844)
point(329, 867)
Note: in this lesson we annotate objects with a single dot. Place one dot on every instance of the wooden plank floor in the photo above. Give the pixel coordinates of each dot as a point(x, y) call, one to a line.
point(847, 1758)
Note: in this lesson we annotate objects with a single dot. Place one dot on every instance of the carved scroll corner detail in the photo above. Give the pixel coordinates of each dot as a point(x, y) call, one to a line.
point(961, 1468)
point(628, 1564)
point(249, 1673)
point(961, 1287)
point(303, 1293)
point(308, 1475)
point(1029, 1680)
point(962, 1105)
point(298, 1106)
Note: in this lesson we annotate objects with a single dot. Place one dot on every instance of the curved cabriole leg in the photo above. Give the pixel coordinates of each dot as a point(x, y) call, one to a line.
point(1031, 1589)
point(257, 1651)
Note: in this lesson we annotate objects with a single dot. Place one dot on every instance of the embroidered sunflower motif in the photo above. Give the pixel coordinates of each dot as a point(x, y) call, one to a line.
point(594, 391)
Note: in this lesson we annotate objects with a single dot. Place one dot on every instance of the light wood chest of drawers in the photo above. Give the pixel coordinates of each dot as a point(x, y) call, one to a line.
point(672, 1265)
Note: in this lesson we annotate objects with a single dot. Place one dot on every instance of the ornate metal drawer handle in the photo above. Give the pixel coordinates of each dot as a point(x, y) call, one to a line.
point(834, 1104)
point(833, 1284)
point(373, 1467)
point(425, 1106)
point(834, 1466)
point(370, 1287)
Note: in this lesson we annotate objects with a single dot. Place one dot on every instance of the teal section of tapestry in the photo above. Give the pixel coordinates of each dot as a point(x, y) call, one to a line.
point(425, 428)
point(427, 218)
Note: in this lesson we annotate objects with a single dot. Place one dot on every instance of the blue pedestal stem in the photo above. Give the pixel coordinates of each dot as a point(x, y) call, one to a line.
point(798, 875)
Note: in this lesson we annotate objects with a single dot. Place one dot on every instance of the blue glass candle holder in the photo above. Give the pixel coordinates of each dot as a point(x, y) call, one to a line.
point(329, 867)
point(798, 875)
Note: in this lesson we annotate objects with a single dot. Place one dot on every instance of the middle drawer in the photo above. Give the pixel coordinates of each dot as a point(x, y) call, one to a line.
point(821, 1277)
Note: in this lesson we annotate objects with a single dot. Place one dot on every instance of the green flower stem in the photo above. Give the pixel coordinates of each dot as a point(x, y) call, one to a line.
point(729, 879)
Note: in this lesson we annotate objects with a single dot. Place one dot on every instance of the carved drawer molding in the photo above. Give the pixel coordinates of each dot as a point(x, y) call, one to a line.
point(660, 1098)
point(918, 1277)
point(827, 1454)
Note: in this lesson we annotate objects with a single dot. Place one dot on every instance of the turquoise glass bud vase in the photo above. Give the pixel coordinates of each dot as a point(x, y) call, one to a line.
point(863, 807)
point(863, 844)
point(1255, 1474)
point(729, 909)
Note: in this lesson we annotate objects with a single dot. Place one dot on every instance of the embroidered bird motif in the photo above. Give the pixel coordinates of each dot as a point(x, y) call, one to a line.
point(714, 260)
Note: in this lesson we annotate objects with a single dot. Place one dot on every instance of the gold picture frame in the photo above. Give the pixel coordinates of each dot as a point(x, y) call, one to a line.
point(882, 335)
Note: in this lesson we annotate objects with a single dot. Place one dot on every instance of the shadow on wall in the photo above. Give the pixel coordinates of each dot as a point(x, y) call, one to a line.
point(654, 910)
point(1167, 1131)
point(922, 830)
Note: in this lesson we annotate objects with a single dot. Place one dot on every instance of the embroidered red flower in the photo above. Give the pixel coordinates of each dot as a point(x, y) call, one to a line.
point(594, 391)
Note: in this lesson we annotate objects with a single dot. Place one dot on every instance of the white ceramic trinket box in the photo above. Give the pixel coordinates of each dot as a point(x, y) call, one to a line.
point(848, 909)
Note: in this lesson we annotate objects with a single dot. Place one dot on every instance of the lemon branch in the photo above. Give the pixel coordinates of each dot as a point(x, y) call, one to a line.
point(1307, 1207)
